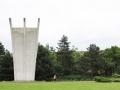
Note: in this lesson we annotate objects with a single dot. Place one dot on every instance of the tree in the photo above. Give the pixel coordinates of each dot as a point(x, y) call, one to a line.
point(44, 67)
point(76, 55)
point(6, 64)
point(112, 56)
point(2, 49)
point(93, 60)
point(6, 69)
point(63, 44)
point(64, 56)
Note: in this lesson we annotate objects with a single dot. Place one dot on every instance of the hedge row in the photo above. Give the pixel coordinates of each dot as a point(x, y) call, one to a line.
point(106, 79)
point(74, 78)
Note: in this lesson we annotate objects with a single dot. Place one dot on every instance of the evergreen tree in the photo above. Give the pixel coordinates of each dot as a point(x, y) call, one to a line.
point(6, 64)
point(93, 60)
point(2, 49)
point(64, 56)
point(6, 69)
point(44, 67)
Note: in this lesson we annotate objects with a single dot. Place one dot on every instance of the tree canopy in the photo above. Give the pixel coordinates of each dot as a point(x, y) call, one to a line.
point(93, 60)
point(6, 64)
point(112, 56)
point(64, 56)
point(44, 67)
point(66, 62)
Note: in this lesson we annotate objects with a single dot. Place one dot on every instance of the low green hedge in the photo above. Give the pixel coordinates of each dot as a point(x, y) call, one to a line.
point(102, 79)
point(116, 80)
point(74, 78)
point(115, 75)
point(87, 78)
point(106, 79)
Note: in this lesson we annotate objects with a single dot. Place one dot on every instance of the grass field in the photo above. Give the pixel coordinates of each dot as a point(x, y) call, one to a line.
point(59, 86)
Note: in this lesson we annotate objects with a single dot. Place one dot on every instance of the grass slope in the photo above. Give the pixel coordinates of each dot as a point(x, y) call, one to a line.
point(59, 86)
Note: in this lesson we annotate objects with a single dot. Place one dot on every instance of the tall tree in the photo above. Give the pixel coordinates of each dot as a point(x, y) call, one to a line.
point(2, 49)
point(6, 69)
point(77, 60)
point(6, 64)
point(63, 44)
point(2, 52)
point(112, 56)
point(93, 60)
point(64, 56)
point(44, 67)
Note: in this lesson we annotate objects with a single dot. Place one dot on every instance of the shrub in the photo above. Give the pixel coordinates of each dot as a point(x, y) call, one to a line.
point(74, 78)
point(116, 80)
point(115, 75)
point(102, 79)
point(97, 78)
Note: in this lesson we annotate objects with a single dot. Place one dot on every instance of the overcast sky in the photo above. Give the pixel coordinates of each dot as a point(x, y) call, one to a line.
point(84, 22)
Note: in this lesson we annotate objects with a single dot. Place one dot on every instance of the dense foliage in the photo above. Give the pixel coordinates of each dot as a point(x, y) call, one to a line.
point(6, 64)
point(112, 56)
point(44, 66)
point(64, 56)
point(93, 61)
point(68, 64)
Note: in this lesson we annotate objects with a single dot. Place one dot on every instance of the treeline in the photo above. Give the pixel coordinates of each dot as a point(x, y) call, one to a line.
point(66, 62)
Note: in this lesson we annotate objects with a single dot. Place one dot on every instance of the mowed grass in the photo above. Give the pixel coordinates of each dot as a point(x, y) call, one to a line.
point(59, 86)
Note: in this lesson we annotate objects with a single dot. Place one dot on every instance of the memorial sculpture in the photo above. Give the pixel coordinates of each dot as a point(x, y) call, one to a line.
point(24, 47)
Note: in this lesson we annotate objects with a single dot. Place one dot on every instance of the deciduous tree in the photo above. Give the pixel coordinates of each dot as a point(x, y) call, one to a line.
point(112, 56)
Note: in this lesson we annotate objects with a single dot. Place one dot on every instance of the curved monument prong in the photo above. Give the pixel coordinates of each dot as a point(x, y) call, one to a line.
point(24, 46)
point(10, 21)
point(24, 20)
point(38, 23)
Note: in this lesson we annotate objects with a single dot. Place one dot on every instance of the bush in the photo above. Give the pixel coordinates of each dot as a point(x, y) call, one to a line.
point(116, 80)
point(115, 75)
point(102, 79)
point(74, 78)
point(97, 78)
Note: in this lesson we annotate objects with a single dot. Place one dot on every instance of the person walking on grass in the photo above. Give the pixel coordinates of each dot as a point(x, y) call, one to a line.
point(54, 78)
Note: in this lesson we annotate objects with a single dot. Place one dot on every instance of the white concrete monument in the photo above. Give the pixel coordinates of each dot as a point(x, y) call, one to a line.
point(24, 45)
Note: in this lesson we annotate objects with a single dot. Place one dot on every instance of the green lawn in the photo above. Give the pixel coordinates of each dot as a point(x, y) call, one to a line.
point(59, 86)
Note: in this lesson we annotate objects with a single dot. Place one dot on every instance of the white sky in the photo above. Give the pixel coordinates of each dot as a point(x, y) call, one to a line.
point(84, 22)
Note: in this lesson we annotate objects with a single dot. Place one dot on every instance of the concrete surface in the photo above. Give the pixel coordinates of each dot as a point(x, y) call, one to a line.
point(24, 45)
